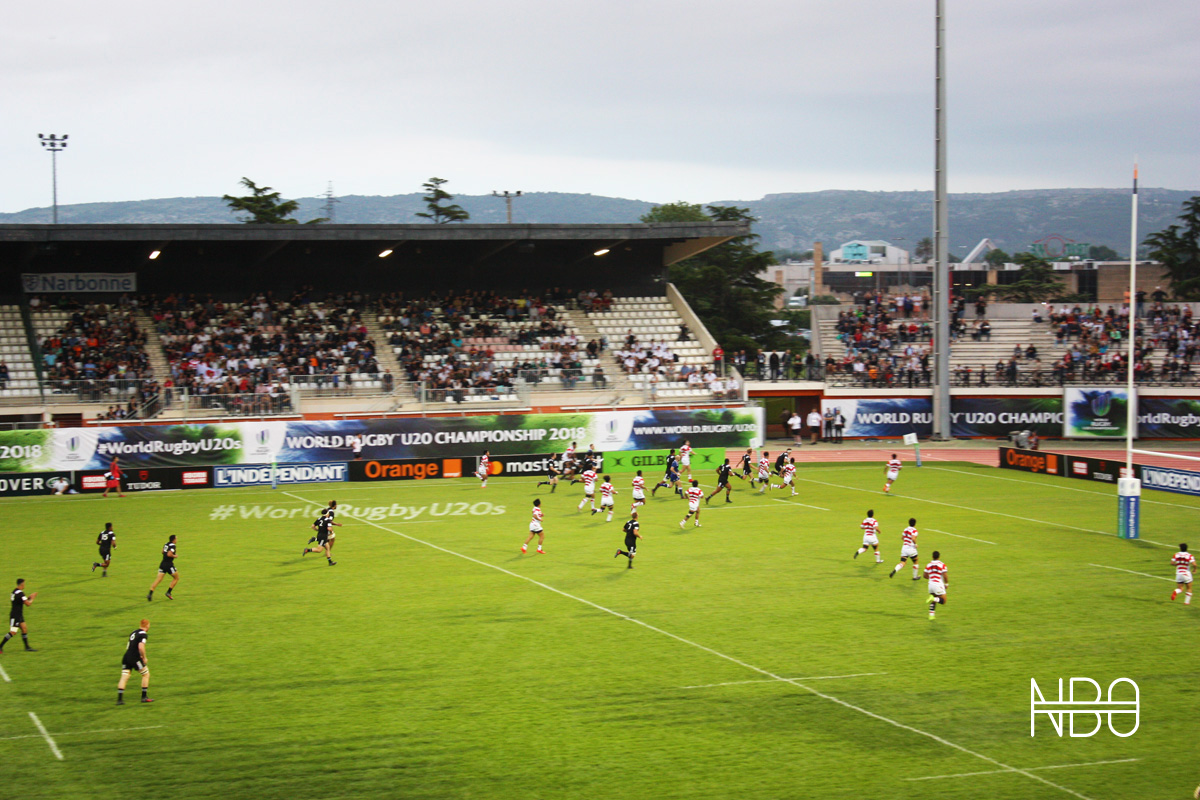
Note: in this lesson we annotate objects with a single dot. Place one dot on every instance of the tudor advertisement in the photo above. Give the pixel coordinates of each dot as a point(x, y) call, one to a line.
point(315, 441)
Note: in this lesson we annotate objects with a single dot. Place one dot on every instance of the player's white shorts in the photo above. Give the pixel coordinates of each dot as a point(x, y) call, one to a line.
point(693, 506)
point(937, 588)
point(871, 539)
point(685, 461)
point(763, 475)
point(606, 501)
point(908, 551)
point(589, 493)
point(892, 475)
point(787, 480)
point(1183, 576)
point(638, 494)
point(535, 527)
point(481, 474)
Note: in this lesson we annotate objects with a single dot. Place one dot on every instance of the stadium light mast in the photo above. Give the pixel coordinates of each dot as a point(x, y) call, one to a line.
point(941, 246)
point(54, 144)
point(508, 198)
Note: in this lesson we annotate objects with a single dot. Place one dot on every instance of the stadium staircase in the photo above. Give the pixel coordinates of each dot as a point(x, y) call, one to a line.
point(155, 352)
point(384, 355)
point(14, 352)
point(966, 352)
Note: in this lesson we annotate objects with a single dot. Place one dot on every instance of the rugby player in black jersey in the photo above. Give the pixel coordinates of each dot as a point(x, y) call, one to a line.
point(106, 541)
point(723, 473)
point(135, 661)
point(166, 567)
point(632, 534)
point(16, 617)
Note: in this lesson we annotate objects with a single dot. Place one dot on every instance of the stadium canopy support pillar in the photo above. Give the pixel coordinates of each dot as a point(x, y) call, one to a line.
point(1129, 495)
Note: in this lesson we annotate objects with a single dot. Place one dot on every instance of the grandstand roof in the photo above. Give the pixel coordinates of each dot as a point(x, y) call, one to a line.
point(235, 257)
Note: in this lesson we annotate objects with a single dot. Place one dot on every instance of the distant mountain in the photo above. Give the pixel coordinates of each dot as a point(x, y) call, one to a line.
point(1013, 220)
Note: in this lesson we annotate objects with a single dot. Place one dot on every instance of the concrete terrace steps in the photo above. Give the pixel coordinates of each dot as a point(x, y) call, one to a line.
point(1006, 334)
point(155, 352)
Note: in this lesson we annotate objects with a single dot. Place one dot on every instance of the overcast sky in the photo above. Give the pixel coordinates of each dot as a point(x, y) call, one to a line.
point(654, 100)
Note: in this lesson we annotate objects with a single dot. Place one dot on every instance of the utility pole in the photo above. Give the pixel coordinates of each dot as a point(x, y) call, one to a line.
point(54, 144)
point(328, 210)
point(508, 198)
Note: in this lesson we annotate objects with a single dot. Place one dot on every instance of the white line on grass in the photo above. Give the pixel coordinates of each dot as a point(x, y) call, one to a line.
point(785, 680)
point(1056, 486)
point(979, 510)
point(959, 535)
point(1030, 769)
point(1131, 572)
point(42, 729)
point(81, 733)
point(732, 659)
point(797, 503)
point(4, 675)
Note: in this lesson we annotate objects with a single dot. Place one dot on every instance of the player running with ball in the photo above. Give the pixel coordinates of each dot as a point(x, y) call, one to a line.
point(909, 549)
point(607, 492)
point(694, 494)
point(789, 476)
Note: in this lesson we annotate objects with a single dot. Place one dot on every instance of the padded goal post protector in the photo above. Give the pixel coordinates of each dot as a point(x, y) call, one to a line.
point(1129, 495)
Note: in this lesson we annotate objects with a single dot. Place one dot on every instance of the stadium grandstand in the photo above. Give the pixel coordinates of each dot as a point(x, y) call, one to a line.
point(234, 321)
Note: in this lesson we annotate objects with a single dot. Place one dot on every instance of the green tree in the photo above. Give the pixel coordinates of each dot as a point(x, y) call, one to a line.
point(436, 200)
point(264, 206)
point(997, 258)
point(1099, 252)
point(1035, 283)
point(924, 250)
point(1178, 249)
point(723, 286)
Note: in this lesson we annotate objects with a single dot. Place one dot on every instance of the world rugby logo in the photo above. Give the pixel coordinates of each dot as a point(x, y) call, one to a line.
point(1101, 402)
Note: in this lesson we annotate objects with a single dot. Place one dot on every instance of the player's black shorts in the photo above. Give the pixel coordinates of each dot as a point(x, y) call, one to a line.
point(631, 543)
point(15, 621)
point(168, 569)
point(322, 539)
point(746, 470)
point(722, 483)
point(105, 555)
point(133, 664)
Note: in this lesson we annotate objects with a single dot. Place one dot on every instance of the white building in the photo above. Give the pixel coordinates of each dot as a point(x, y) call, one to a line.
point(876, 251)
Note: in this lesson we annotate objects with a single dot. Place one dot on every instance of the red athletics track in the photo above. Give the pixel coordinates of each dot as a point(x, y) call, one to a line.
point(988, 456)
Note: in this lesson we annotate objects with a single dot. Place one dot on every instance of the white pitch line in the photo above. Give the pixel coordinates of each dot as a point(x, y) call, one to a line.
point(959, 535)
point(1055, 486)
point(1131, 572)
point(45, 735)
point(4, 675)
point(785, 680)
point(980, 511)
point(82, 733)
point(1029, 769)
point(797, 503)
point(732, 659)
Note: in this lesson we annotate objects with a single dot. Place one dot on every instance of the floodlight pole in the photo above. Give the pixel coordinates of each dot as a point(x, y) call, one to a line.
point(941, 248)
point(508, 198)
point(54, 144)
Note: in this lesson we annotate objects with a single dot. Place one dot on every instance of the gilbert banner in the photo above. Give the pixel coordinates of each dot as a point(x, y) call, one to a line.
point(317, 441)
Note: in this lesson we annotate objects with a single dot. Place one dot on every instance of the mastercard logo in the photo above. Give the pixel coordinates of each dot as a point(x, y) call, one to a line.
point(495, 468)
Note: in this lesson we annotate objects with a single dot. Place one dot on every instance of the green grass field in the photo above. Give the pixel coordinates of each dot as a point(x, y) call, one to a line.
point(435, 661)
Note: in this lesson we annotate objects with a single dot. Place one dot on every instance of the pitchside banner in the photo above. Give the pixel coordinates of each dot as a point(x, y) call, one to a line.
point(1099, 413)
point(1168, 418)
point(315, 441)
point(884, 417)
point(703, 459)
point(999, 416)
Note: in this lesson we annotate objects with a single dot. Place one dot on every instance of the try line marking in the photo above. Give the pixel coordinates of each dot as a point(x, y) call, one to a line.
point(4, 675)
point(785, 680)
point(766, 673)
point(959, 535)
point(1131, 572)
point(42, 730)
point(1030, 769)
point(979, 510)
point(82, 733)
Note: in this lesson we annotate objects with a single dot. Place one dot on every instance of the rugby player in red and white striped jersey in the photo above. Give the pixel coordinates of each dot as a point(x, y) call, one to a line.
point(639, 491)
point(1185, 565)
point(484, 466)
point(789, 476)
point(893, 472)
point(589, 489)
point(685, 458)
point(694, 495)
point(535, 528)
point(607, 490)
point(870, 529)
point(908, 549)
point(935, 571)
point(764, 472)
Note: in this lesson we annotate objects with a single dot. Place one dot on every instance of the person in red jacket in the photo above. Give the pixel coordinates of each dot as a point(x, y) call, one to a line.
point(113, 479)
